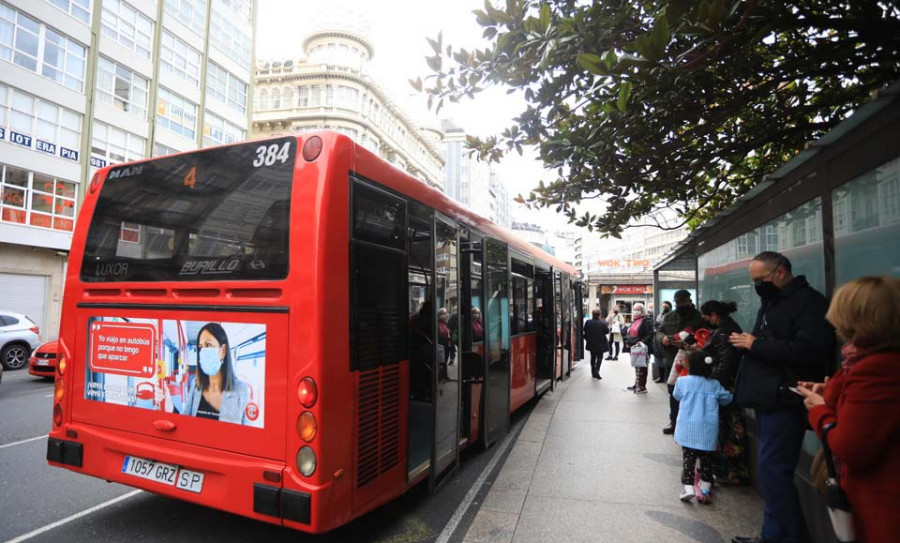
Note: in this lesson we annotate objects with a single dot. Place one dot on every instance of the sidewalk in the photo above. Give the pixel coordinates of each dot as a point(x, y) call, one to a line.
point(592, 465)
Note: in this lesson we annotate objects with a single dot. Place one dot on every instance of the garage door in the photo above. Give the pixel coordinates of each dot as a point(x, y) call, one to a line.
point(24, 294)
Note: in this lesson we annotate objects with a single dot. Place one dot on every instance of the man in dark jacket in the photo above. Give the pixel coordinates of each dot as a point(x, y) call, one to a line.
point(595, 332)
point(790, 341)
point(684, 316)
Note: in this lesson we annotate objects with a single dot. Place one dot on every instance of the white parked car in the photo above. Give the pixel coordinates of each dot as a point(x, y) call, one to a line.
point(18, 337)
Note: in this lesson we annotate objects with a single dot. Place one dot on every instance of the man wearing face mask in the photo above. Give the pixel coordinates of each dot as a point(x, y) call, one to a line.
point(683, 317)
point(790, 341)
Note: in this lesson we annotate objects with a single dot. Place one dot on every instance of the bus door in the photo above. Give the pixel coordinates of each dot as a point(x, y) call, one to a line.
point(496, 333)
point(565, 310)
point(580, 314)
point(558, 321)
point(422, 344)
point(447, 378)
point(472, 336)
point(543, 322)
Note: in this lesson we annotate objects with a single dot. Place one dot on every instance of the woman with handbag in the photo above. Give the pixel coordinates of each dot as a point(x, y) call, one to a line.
point(640, 335)
point(860, 405)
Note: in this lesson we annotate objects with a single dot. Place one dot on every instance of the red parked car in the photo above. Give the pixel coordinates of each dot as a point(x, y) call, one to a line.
point(43, 360)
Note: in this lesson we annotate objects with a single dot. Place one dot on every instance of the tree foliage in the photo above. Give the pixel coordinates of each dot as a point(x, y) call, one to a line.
point(681, 104)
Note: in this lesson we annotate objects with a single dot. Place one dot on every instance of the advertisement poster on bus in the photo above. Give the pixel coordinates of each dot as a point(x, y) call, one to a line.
point(211, 370)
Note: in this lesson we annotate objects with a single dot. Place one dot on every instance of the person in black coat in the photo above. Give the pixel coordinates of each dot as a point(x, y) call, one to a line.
point(595, 335)
point(790, 341)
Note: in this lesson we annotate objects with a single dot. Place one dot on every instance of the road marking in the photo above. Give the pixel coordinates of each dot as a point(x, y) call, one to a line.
point(454, 521)
point(76, 516)
point(49, 396)
point(23, 441)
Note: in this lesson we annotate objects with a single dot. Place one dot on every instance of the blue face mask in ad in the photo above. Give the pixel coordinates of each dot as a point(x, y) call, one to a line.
point(210, 361)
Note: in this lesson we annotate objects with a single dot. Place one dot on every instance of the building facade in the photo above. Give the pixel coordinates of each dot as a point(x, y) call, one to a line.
point(329, 88)
point(89, 83)
point(620, 271)
point(472, 182)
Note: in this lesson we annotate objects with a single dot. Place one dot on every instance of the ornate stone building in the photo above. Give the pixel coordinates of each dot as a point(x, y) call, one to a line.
point(329, 88)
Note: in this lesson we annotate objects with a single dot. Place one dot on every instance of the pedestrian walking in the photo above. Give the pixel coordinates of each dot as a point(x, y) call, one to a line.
point(790, 341)
point(639, 337)
point(616, 323)
point(731, 465)
point(684, 317)
point(698, 422)
point(861, 404)
point(595, 336)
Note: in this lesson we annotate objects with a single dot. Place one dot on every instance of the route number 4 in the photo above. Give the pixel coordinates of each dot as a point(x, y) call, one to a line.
point(267, 155)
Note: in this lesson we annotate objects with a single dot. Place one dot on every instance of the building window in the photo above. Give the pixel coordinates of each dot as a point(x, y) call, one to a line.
point(121, 88)
point(176, 114)
point(111, 145)
point(191, 13)
point(180, 59)
point(163, 150)
point(302, 96)
point(225, 87)
point(262, 99)
point(218, 131)
point(80, 9)
point(228, 38)
point(242, 8)
point(37, 124)
point(127, 26)
point(42, 50)
point(36, 199)
point(867, 245)
point(276, 99)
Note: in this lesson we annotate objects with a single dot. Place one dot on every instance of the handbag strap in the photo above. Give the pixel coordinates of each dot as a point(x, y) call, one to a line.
point(829, 460)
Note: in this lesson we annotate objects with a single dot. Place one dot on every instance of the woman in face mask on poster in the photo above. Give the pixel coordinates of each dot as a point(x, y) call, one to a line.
point(216, 393)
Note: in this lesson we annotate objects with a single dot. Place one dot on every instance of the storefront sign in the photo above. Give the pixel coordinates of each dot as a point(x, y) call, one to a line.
point(46, 147)
point(623, 263)
point(632, 289)
point(20, 139)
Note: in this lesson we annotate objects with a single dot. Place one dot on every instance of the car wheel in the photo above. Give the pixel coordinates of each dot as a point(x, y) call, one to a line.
point(15, 356)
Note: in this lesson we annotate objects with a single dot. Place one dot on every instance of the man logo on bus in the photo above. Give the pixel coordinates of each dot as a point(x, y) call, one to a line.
point(252, 411)
point(125, 172)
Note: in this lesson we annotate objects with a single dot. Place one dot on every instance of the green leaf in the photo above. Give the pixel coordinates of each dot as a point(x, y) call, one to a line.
point(645, 48)
point(624, 95)
point(591, 63)
point(660, 37)
point(416, 83)
point(545, 18)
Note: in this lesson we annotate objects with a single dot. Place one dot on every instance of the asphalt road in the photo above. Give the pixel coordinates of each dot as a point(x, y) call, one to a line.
point(38, 502)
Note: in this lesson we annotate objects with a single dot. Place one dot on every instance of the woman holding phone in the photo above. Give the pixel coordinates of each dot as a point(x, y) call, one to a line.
point(862, 400)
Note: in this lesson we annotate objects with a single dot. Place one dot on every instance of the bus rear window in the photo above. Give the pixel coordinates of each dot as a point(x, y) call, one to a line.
point(221, 214)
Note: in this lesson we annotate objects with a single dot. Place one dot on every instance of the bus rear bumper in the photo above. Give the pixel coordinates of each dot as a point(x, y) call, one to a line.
point(231, 482)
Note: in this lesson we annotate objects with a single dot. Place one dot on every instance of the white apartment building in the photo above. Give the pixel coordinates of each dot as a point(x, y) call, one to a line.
point(472, 182)
point(88, 83)
point(330, 88)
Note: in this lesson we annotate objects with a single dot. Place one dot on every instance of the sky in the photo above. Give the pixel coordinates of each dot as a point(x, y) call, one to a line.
point(397, 30)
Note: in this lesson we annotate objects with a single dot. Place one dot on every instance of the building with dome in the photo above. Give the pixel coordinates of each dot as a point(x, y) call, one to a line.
point(330, 88)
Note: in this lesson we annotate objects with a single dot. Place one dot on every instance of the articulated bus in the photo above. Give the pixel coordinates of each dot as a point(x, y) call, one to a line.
point(295, 331)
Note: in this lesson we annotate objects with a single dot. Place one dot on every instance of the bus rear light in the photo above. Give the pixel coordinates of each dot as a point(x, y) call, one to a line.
point(71, 434)
point(61, 366)
point(95, 184)
point(308, 392)
point(306, 461)
point(57, 415)
point(272, 476)
point(58, 389)
point(312, 148)
point(306, 426)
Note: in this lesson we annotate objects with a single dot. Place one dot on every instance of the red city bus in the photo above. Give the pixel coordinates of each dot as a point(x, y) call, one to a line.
point(294, 330)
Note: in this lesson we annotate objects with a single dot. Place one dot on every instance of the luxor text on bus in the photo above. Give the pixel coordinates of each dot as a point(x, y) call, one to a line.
point(295, 331)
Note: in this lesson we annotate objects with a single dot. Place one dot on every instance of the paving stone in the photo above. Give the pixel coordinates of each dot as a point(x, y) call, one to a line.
point(504, 501)
point(492, 527)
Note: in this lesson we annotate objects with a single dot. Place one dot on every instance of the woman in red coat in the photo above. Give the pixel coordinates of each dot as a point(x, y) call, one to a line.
point(863, 399)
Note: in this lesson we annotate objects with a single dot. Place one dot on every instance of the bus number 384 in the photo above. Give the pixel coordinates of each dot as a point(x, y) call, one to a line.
point(267, 155)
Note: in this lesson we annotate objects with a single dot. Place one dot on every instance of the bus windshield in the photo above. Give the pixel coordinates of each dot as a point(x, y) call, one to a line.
point(209, 215)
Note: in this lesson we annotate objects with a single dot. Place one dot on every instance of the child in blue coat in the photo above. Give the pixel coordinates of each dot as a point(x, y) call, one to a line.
point(697, 429)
